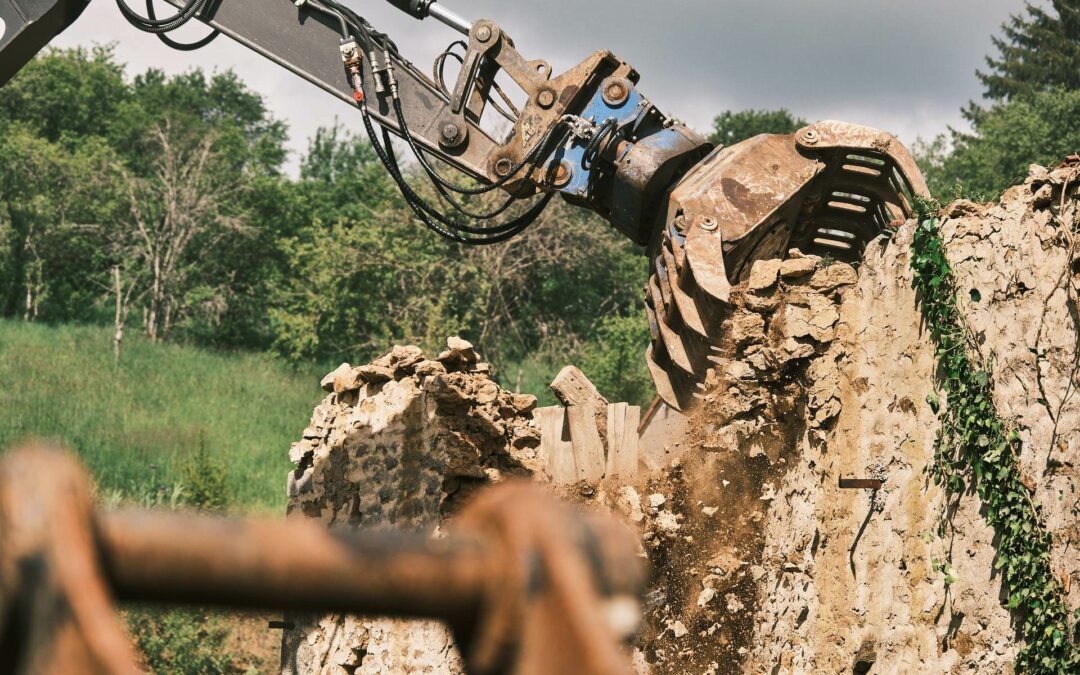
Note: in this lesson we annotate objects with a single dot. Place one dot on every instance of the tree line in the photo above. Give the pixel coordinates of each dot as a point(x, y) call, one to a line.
point(160, 205)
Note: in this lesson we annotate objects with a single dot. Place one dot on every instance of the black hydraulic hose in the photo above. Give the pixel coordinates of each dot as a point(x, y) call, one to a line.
point(179, 46)
point(165, 25)
point(593, 148)
point(333, 13)
point(457, 188)
point(412, 199)
point(431, 211)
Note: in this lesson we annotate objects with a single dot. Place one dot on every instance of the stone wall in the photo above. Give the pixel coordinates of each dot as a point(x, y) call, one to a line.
point(401, 442)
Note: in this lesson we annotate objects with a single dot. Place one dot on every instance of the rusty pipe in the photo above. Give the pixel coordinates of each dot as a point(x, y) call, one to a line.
point(292, 564)
point(517, 572)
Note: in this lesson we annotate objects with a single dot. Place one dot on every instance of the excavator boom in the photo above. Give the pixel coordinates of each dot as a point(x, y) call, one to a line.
point(704, 215)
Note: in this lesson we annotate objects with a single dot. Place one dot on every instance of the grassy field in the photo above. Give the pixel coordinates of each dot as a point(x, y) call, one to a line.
point(137, 426)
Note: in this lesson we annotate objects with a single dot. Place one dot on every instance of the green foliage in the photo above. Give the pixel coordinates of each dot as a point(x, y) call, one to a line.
point(361, 273)
point(731, 127)
point(976, 446)
point(206, 479)
point(1039, 51)
point(1039, 128)
point(615, 360)
point(76, 136)
point(138, 425)
point(181, 641)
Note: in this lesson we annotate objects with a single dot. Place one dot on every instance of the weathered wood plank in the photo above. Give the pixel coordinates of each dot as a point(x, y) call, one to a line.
point(556, 448)
point(588, 447)
point(616, 429)
point(627, 462)
point(572, 388)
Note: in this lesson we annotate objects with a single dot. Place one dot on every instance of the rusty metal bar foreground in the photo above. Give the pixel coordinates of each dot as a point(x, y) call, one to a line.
point(295, 564)
point(528, 584)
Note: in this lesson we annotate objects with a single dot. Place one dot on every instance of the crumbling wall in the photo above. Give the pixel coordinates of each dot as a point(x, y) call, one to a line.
point(764, 563)
point(1019, 267)
point(401, 442)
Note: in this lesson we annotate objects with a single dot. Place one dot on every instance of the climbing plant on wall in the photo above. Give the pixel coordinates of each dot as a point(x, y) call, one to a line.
point(976, 445)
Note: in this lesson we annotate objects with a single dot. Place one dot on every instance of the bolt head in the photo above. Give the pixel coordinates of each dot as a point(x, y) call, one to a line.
point(562, 175)
point(708, 224)
point(810, 137)
point(546, 98)
point(483, 33)
point(503, 166)
point(450, 132)
point(615, 92)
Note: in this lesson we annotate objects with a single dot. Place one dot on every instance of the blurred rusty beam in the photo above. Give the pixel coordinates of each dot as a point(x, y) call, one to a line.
point(516, 572)
point(294, 564)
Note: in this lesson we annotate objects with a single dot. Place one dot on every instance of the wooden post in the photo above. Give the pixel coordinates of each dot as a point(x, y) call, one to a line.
point(556, 447)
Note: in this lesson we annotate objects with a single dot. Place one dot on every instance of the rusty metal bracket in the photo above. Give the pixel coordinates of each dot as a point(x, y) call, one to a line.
point(861, 483)
point(517, 572)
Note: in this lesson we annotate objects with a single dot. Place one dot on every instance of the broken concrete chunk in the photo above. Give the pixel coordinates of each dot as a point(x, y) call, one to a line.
point(958, 208)
point(763, 275)
point(797, 267)
point(428, 368)
point(571, 387)
point(834, 276)
point(327, 382)
point(762, 304)
point(462, 348)
point(524, 403)
point(1037, 175)
point(747, 328)
point(375, 374)
point(487, 393)
point(401, 360)
point(1043, 197)
point(677, 628)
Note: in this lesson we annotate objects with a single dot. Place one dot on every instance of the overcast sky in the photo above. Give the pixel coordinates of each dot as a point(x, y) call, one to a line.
point(902, 65)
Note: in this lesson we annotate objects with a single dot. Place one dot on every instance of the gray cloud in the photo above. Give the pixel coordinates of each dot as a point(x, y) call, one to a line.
point(902, 65)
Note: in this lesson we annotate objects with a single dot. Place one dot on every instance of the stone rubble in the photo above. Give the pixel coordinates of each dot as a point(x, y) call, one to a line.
point(831, 376)
point(401, 442)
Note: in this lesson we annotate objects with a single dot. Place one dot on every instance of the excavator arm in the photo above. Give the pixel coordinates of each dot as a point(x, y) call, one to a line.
point(588, 135)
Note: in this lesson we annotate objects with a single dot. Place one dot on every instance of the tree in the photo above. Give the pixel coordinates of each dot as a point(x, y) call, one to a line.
point(178, 216)
point(1038, 128)
point(615, 359)
point(47, 198)
point(1039, 51)
point(363, 273)
point(730, 127)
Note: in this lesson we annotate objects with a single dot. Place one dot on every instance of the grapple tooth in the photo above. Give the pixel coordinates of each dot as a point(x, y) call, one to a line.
point(830, 188)
point(671, 384)
point(664, 282)
point(683, 303)
point(676, 241)
point(705, 255)
point(662, 380)
point(669, 338)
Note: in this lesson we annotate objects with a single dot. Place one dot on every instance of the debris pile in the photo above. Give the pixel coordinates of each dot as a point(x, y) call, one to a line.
point(704, 515)
point(767, 556)
point(401, 442)
point(764, 562)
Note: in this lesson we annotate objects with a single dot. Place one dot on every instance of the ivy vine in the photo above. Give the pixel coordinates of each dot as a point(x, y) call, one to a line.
point(976, 444)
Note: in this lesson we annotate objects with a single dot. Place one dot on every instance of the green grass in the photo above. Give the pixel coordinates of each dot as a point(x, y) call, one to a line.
point(141, 424)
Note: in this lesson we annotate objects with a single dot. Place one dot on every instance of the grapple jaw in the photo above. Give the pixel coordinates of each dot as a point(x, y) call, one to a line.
point(828, 189)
